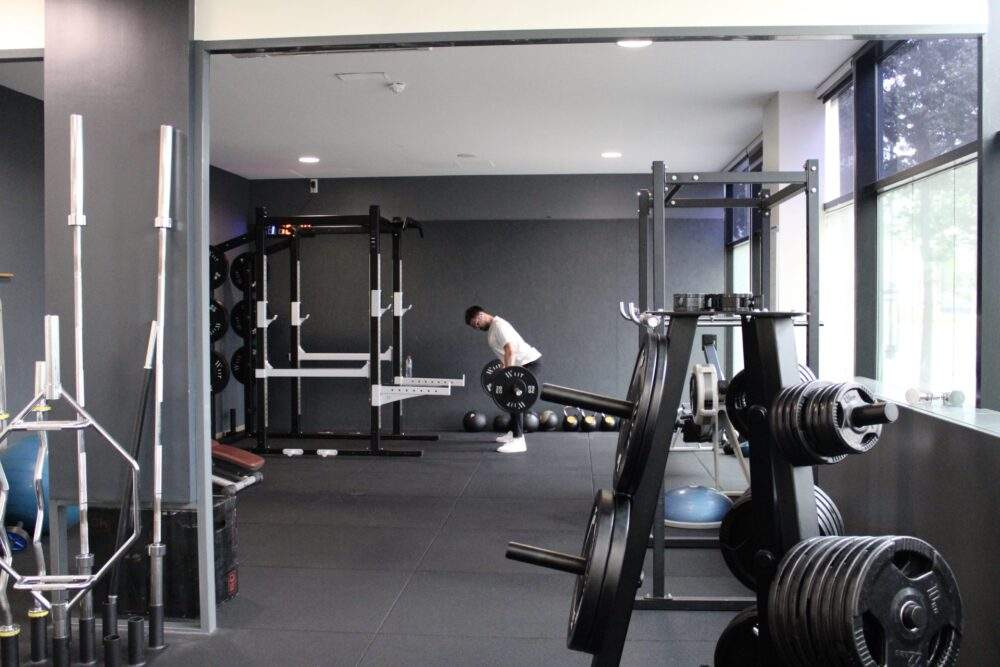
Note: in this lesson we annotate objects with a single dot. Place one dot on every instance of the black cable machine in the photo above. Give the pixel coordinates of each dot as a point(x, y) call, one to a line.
point(293, 229)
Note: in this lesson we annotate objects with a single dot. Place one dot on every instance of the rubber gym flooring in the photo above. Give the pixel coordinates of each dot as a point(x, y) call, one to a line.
point(401, 561)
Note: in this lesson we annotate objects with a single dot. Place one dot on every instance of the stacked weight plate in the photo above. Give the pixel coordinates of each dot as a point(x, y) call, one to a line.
point(738, 398)
point(865, 601)
point(822, 422)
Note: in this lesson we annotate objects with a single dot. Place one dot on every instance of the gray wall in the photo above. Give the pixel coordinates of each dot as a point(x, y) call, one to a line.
point(229, 211)
point(125, 66)
point(22, 211)
point(553, 254)
point(935, 480)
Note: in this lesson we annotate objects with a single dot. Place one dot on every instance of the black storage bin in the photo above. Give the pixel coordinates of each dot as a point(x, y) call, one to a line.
point(180, 567)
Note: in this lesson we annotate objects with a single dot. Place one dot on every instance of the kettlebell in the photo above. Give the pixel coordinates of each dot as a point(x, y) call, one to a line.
point(501, 423)
point(570, 422)
point(474, 422)
point(589, 423)
point(608, 422)
point(531, 422)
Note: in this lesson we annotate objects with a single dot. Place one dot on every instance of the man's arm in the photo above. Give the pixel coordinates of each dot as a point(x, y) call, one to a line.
point(508, 355)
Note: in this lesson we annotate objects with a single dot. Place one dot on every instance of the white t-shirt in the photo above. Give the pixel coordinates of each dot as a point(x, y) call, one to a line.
point(500, 333)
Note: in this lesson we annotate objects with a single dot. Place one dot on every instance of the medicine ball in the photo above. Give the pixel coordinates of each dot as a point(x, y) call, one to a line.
point(548, 421)
point(570, 422)
point(608, 422)
point(501, 423)
point(531, 422)
point(589, 423)
point(474, 422)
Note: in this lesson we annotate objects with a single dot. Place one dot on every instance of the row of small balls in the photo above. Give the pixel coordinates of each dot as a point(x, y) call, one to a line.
point(475, 422)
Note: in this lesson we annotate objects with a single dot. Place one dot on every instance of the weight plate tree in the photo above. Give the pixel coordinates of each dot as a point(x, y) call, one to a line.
point(736, 533)
point(597, 569)
point(218, 320)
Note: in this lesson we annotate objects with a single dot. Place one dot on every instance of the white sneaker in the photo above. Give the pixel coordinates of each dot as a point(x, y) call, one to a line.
point(506, 437)
point(515, 446)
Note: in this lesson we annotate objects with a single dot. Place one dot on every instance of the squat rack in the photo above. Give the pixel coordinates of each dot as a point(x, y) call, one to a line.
point(296, 227)
point(653, 302)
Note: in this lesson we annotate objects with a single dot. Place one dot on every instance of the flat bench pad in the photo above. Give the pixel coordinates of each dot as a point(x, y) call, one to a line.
point(236, 456)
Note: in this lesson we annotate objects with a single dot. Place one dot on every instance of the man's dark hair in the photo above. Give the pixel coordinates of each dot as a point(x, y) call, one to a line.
point(471, 312)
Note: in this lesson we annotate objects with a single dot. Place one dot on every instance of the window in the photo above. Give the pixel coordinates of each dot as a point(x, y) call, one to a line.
point(836, 298)
point(838, 169)
point(927, 239)
point(738, 219)
point(928, 101)
point(741, 285)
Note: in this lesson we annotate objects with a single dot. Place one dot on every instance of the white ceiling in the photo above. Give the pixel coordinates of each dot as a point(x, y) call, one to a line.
point(23, 76)
point(540, 109)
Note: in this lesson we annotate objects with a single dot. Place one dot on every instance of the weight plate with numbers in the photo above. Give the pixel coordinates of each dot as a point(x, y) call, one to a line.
point(241, 318)
point(241, 271)
point(218, 320)
point(218, 267)
point(219, 372)
point(514, 389)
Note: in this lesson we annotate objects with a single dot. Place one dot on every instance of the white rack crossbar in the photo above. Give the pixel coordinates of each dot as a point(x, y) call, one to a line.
point(342, 356)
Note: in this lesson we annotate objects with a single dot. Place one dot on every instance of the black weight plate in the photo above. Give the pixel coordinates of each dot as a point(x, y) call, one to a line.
point(904, 569)
point(736, 535)
point(807, 611)
point(835, 525)
point(792, 592)
point(778, 592)
point(583, 612)
point(636, 433)
point(737, 645)
point(218, 320)
point(240, 369)
point(219, 372)
point(736, 540)
point(241, 318)
point(831, 599)
point(854, 439)
point(488, 373)
point(814, 413)
point(218, 267)
point(241, 271)
point(738, 402)
point(515, 389)
point(613, 571)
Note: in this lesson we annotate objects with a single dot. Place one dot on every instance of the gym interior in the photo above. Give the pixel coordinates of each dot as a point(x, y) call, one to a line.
point(339, 334)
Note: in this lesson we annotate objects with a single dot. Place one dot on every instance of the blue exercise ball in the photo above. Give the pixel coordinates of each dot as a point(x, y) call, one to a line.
point(18, 462)
point(694, 506)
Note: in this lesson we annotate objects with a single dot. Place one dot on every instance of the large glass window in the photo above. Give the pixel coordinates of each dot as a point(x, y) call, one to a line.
point(741, 284)
point(927, 240)
point(839, 163)
point(836, 298)
point(929, 101)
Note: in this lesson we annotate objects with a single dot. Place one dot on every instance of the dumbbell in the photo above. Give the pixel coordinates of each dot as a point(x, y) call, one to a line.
point(954, 398)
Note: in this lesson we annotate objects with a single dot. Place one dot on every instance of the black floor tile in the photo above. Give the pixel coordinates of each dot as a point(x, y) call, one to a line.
point(552, 483)
point(266, 648)
point(300, 599)
point(483, 551)
point(678, 625)
point(679, 653)
point(344, 510)
point(482, 604)
point(472, 513)
point(398, 650)
point(333, 547)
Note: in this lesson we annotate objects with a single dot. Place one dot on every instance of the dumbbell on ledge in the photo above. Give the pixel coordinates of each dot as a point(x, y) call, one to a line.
point(916, 396)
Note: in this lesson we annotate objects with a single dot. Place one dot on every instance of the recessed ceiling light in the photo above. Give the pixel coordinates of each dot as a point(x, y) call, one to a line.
point(634, 43)
point(611, 155)
point(465, 156)
point(308, 159)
